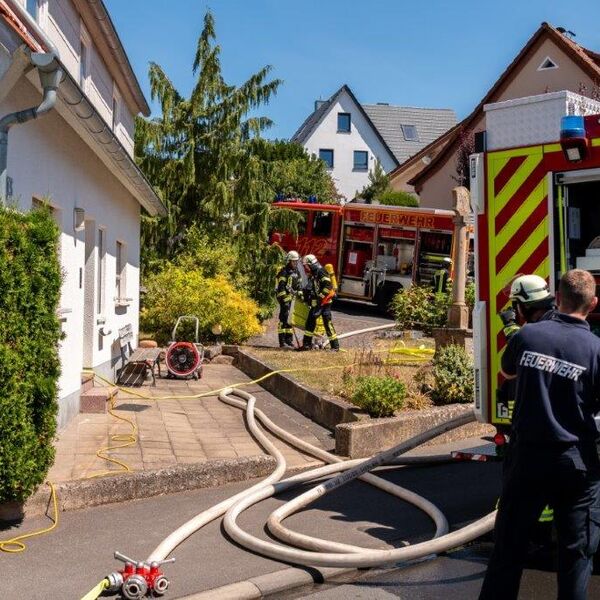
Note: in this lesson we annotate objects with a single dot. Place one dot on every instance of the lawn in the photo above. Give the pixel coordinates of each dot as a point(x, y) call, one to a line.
point(334, 372)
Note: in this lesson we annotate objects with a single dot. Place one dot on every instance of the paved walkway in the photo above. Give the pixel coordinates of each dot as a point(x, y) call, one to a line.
point(177, 431)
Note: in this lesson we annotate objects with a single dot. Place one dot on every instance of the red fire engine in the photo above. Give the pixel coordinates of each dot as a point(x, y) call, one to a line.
point(535, 191)
point(376, 250)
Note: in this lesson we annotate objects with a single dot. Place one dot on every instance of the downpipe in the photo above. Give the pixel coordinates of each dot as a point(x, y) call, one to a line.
point(50, 73)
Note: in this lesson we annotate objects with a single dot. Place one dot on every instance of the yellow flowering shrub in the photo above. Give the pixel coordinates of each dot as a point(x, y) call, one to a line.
point(177, 291)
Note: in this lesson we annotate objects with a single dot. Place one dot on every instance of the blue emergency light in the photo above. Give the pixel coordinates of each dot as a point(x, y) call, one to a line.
point(573, 139)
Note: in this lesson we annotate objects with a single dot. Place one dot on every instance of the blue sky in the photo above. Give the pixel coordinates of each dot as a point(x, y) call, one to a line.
point(429, 53)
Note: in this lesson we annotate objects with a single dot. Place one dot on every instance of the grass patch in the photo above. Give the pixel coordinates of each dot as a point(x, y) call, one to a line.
point(379, 359)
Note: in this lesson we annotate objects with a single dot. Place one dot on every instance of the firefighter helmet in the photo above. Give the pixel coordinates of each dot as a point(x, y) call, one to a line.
point(310, 260)
point(447, 261)
point(530, 289)
point(292, 255)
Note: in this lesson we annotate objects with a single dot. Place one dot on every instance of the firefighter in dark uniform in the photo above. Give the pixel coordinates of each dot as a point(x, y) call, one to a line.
point(552, 457)
point(441, 277)
point(319, 295)
point(287, 284)
point(531, 302)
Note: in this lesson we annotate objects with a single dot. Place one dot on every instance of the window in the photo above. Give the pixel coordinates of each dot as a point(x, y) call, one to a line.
point(326, 156)
point(101, 268)
point(322, 224)
point(410, 133)
point(121, 263)
point(361, 160)
point(546, 64)
point(32, 8)
point(344, 123)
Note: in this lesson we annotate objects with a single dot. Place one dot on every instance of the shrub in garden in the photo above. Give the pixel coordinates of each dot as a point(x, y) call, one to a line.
point(379, 396)
point(418, 307)
point(177, 291)
point(30, 280)
point(453, 376)
point(398, 198)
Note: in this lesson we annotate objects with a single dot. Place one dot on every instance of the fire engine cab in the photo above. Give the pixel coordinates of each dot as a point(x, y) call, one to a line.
point(535, 192)
point(376, 250)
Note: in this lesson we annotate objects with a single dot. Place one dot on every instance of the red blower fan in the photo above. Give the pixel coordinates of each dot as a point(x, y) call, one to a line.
point(184, 359)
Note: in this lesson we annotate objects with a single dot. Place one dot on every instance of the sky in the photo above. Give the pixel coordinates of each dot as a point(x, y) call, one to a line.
point(426, 53)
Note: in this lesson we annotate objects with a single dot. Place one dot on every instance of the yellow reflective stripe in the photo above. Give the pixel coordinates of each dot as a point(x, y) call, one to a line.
point(515, 182)
point(520, 216)
point(547, 515)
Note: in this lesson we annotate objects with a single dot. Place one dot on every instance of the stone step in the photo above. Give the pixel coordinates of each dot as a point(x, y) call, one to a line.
point(87, 381)
point(95, 400)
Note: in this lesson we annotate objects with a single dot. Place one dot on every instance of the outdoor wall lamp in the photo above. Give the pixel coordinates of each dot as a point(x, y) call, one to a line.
point(78, 219)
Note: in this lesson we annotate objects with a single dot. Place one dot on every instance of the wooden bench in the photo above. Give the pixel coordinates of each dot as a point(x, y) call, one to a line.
point(136, 363)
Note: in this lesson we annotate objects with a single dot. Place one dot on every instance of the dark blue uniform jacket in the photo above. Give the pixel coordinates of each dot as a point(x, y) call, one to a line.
point(557, 363)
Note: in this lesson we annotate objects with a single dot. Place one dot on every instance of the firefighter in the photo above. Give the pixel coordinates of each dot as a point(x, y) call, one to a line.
point(531, 302)
point(318, 295)
point(442, 276)
point(552, 456)
point(287, 285)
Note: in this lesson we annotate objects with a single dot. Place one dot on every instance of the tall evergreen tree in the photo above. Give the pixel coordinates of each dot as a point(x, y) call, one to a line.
point(200, 155)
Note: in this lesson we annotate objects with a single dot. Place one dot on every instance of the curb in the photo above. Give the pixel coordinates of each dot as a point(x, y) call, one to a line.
point(84, 493)
point(272, 583)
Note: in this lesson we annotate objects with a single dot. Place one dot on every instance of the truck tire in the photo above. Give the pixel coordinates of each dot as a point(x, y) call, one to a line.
point(384, 296)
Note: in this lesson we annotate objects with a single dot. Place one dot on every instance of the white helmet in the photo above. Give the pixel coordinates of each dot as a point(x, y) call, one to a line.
point(447, 261)
point(529, 289)
point(310, 260)
point(292, 255)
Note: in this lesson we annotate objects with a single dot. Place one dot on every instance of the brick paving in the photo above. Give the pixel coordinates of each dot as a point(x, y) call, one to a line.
point(179, 431)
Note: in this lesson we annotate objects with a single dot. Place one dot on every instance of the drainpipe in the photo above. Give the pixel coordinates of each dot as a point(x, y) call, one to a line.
point(50, 73)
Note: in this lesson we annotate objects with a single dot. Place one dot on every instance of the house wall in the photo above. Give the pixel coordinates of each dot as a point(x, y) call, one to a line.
point(436, 189)
point(47, 159)
point(62, 22)
point(361, 137)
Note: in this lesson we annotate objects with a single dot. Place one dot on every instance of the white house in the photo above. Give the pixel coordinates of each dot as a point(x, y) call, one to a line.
point(350, 137)
point(78, 157)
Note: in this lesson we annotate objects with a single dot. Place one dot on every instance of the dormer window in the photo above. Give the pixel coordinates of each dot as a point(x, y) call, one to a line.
point(32, 8)
point(547, 64)
point(410, 133)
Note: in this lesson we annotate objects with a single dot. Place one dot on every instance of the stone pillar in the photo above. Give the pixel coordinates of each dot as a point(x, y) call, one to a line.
point(457, 331)
point(458, 314)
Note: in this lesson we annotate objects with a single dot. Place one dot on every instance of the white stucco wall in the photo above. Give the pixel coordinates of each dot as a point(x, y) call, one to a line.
point(361, 137)
point(47, 159)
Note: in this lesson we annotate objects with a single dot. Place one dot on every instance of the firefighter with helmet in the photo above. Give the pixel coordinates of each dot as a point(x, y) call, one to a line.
point(287, 285)
point(531, 302)
point(318, 295)
point(442, 276)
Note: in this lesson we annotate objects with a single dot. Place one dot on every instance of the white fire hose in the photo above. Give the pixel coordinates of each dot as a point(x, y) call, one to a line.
point(311, 551)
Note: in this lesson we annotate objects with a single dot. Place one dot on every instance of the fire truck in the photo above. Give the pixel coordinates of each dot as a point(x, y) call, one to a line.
point(376, 250)
point(535, 193)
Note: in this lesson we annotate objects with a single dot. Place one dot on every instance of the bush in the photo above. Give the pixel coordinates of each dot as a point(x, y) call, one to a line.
point(398, 198)
point(30, 280)
point(177, 291)
point(418, 307)
point(379, 396)
point(453, 376)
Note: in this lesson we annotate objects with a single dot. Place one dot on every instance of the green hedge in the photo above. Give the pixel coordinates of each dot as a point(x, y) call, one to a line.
point(30, 280)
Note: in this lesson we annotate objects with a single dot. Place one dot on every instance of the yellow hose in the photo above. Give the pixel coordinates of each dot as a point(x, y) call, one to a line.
point(15, 545)
point(96, 590)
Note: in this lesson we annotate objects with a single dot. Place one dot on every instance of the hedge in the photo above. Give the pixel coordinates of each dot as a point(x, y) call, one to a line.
point(30, 280)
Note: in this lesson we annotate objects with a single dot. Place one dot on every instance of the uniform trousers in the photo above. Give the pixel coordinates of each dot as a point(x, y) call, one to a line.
point(566, 476)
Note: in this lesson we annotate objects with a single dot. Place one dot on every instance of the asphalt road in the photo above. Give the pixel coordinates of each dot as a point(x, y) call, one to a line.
point(69, 561)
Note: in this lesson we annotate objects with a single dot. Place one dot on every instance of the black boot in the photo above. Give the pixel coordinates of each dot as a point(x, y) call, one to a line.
point(281, 337)
point(306, 344)
point(289, 340)
point(334, 345)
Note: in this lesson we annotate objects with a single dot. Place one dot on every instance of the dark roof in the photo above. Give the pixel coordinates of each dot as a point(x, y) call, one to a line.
point(588, 61)
point(430, 123)
point(386, 121)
